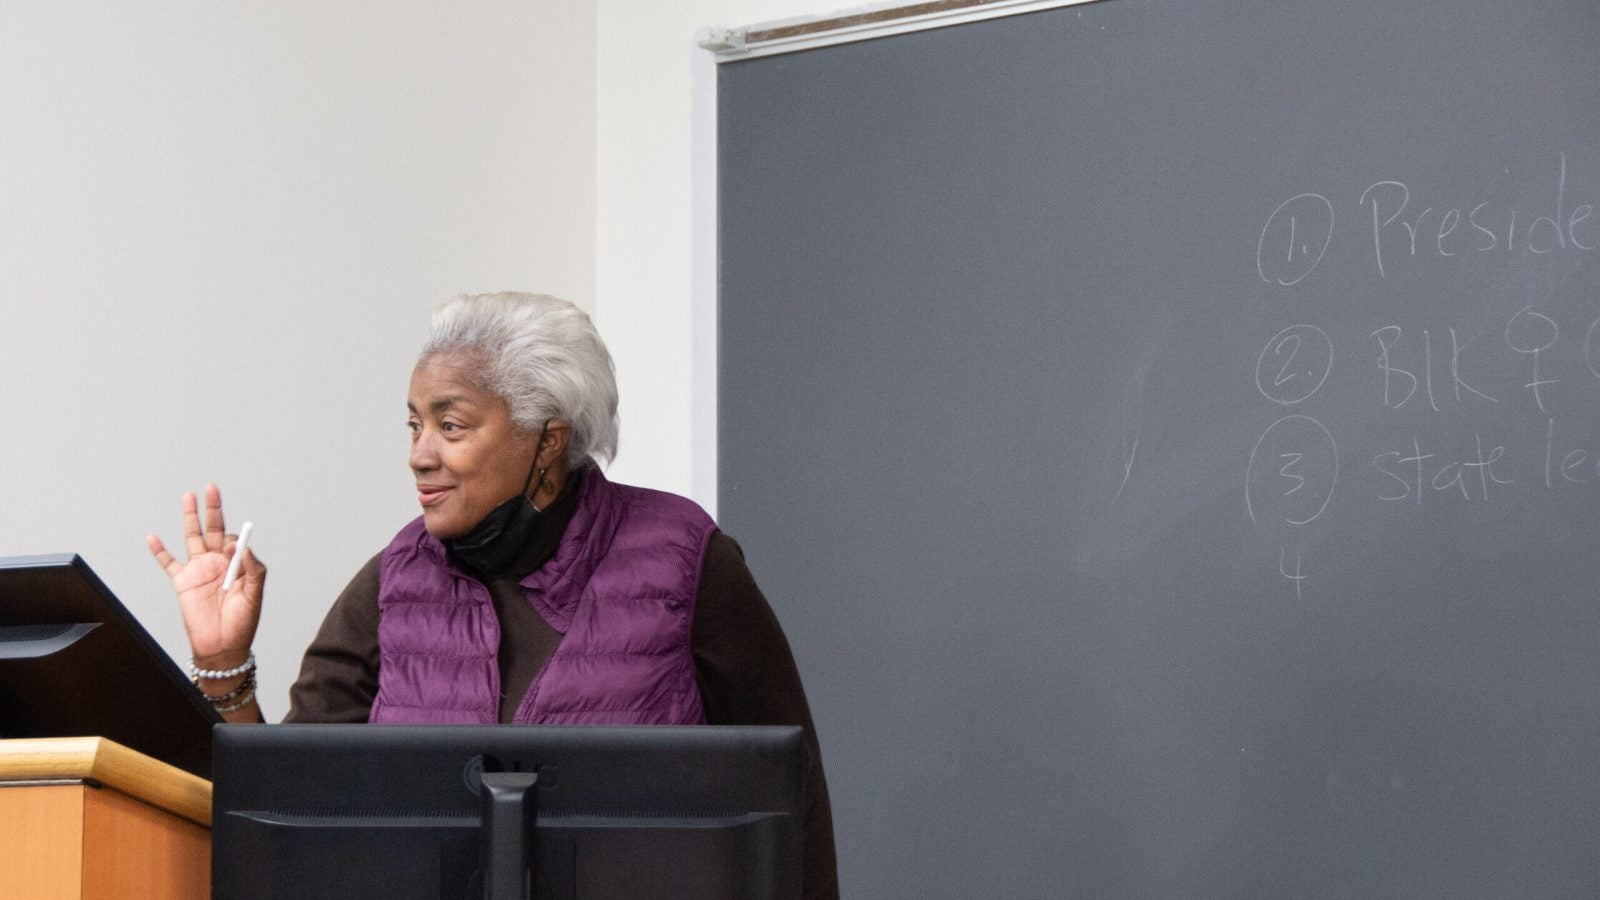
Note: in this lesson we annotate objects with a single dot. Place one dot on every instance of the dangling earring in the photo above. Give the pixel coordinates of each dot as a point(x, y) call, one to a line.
point(537, 449)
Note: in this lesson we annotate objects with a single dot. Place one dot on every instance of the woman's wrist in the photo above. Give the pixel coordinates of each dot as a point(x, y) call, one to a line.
point(221, 660)
point(226, 682)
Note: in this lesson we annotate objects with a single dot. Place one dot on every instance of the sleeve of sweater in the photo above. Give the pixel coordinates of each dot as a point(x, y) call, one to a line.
point(339, 673)
point(747, 676)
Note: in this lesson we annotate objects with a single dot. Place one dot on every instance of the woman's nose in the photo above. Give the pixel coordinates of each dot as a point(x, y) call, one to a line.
point(424, 453)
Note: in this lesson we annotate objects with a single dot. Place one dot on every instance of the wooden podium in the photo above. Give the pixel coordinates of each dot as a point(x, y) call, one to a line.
point(89, 818)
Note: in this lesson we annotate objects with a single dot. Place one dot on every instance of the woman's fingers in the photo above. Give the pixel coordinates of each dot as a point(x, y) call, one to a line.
point(163, 558)
point(214, 530)
point(213, 535)
point(213, 618)
point(192, 541)
point(253, 574)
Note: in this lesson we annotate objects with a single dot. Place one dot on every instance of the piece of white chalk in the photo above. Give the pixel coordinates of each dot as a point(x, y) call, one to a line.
point(238, 554)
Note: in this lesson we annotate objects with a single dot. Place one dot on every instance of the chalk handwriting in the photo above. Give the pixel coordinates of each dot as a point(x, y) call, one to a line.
point(1293, 467)
point(1393, 334)
point(1588, 349)
point(1523, 334)
point(1294, 239)
point(1311, 435)
point(1298, 353)
point(1576, 466)
point(1415, 472)
point(1299, 232)
point(1400, 384)
point(1298, 575)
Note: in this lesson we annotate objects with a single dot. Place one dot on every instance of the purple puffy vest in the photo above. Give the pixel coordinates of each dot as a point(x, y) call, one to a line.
point(620, 590)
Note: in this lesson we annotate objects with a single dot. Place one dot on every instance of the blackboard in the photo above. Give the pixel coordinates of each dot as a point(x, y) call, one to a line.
point(1169, 433)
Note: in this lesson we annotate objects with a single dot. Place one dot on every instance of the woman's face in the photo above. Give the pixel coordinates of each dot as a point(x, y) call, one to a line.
point(466, 454)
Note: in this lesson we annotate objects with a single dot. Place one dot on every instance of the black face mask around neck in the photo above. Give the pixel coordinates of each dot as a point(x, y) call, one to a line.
point(493, 545)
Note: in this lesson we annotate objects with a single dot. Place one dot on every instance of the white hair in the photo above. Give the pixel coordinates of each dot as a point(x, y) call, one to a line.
point(543, 356)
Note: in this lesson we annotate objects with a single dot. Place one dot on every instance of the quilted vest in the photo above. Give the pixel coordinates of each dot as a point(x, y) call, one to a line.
point(620, 590)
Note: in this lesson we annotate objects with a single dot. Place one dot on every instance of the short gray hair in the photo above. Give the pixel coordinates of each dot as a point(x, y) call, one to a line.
point(543, 356)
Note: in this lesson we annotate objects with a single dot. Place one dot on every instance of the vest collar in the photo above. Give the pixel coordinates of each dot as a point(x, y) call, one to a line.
point(556, 587)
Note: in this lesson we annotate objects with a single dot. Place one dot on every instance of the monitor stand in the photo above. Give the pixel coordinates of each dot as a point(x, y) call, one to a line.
point(509, 807)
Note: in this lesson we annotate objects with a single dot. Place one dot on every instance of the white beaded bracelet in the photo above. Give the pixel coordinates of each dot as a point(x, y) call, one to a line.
point(220, 674)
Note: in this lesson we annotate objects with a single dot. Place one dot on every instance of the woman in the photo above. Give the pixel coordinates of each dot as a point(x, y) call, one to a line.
point(531, 589)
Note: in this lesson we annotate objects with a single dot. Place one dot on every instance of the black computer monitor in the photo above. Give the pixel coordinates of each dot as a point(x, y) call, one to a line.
point(352, 811)
point(75, 663)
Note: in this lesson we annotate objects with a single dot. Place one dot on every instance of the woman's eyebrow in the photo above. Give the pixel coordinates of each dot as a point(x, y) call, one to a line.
point(443, 403)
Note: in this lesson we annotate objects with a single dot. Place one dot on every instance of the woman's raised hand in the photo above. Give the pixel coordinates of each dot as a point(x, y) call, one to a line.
point(221, 626)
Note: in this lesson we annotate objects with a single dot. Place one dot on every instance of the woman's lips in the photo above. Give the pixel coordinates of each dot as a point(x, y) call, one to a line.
point(428, 495)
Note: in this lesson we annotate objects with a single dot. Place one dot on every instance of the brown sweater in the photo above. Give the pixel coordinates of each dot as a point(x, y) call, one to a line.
point(745, 670)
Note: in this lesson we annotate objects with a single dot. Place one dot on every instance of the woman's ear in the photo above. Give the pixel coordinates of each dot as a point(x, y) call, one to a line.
point(553, 447)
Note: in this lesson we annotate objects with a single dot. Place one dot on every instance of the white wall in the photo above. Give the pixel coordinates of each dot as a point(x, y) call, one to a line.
point(655, 293)
point(222, 226)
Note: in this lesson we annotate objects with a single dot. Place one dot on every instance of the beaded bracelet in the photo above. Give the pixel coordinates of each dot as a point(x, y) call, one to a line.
point(249, 684)
point(221, 674)
point(243, 702)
